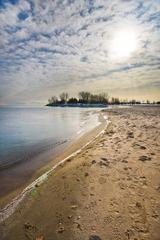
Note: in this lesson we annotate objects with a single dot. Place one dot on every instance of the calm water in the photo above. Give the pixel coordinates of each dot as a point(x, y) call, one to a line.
point(27, 133)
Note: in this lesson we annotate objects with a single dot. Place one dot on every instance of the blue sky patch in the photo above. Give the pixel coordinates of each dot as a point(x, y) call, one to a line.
point(3, 2)
point(23, 15)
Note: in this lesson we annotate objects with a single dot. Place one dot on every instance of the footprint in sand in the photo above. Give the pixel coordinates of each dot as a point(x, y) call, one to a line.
point(30, 231)
point(138, 214)
point(102, 180)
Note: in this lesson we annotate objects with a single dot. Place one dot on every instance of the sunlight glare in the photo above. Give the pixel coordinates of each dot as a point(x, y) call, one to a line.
point(124, 43)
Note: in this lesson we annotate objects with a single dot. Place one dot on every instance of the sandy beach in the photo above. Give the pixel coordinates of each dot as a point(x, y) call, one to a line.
point(110, 190)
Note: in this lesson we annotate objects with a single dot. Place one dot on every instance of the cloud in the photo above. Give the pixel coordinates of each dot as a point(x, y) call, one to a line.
point(45, 46)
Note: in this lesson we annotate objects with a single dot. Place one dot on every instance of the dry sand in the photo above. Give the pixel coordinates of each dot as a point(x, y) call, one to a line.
point(109, 191)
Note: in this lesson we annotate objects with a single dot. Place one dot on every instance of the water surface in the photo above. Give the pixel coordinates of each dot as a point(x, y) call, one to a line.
point(26, 134)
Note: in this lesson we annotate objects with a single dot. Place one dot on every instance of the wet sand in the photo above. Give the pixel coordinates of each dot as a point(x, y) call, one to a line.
point(110, 190)
point(22, 175)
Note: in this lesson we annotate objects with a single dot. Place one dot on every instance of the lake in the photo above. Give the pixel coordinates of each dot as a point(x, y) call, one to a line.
point(26, 134)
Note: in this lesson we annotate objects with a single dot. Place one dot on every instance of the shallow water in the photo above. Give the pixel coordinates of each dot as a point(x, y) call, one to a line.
point(27, 133)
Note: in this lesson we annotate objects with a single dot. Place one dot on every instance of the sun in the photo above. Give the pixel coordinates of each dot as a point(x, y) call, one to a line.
point(124, 43)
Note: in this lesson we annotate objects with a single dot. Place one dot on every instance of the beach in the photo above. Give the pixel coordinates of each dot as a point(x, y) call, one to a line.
point(108, 190)
point(31, 139)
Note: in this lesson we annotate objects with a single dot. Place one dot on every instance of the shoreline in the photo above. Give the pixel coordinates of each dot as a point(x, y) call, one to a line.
point(21, 162)
point(109, 190)
point(11, 201)
point(52, 156)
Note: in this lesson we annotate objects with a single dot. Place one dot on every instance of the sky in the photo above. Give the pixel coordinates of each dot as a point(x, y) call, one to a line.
point(47, 47)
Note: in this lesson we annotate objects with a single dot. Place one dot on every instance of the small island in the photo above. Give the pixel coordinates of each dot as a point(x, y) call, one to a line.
point(87, 100)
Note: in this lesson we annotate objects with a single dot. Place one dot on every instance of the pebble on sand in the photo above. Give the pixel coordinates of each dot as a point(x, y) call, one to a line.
point(60, 228)
point(130, 135)
point(93, 161)
point(144, 158)
point(86, 174)
point(94, 237)
point(74, 207)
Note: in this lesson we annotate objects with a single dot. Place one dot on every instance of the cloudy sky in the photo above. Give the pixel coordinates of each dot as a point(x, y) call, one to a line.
point(50, 46)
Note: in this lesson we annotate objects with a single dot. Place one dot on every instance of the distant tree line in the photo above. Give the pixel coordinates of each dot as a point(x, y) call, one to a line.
point(89, 98)
point(83, 97)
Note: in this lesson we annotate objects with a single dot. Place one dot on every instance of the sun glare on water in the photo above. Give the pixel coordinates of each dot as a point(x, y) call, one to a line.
point(123, 44)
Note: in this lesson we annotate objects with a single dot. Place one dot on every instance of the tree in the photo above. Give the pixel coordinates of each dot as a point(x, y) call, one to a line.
point(63, 97)
point(103, 98)
point(53, 100)
point(133, 101)
point(49, 101)
point(94, 98)
point(84, 96)
point(73, 100)
point(115, 100)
